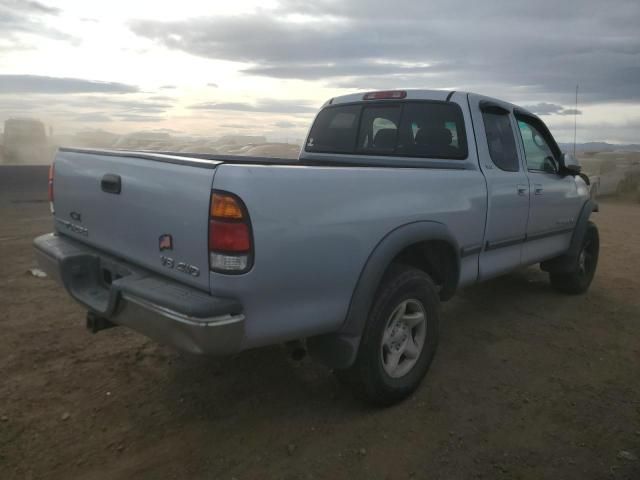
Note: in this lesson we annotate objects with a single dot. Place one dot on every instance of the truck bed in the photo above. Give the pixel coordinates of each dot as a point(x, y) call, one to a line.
point(185, 158)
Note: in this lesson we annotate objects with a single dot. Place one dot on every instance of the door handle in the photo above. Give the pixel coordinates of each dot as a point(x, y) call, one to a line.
point(538, 189)
point(111, 183)
point(522, 189)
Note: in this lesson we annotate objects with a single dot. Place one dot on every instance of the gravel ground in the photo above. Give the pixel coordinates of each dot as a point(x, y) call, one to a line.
point(527, 384)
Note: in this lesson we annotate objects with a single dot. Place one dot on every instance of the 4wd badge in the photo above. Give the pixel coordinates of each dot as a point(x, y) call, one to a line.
point(165, 242)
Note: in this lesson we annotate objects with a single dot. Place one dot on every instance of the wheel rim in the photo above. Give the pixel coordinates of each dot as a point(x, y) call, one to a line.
point(586, 259)
point(404, 337)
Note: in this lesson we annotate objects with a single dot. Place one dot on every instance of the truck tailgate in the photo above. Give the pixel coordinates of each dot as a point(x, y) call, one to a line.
point(149, 207)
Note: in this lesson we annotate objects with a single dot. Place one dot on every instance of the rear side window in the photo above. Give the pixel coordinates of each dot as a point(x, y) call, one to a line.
point(334, 130)
point(426, 129)
point(501, 141)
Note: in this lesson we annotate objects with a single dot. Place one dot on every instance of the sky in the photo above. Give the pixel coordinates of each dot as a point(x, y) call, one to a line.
point(264, 67)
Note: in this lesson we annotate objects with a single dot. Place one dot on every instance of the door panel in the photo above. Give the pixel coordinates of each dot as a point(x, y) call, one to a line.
point(552, 203)
point(555, 201)
point(507, 185)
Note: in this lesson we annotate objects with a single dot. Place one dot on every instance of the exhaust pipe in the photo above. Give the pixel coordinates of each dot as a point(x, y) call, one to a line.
point(96, 323)
point(296, 350)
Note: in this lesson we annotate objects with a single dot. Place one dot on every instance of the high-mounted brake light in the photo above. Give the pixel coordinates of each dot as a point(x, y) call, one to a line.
point(230, 242)
point(386, 95)
point(50, 186)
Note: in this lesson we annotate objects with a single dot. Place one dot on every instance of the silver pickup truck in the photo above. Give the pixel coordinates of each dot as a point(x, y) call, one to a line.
point(398, 199)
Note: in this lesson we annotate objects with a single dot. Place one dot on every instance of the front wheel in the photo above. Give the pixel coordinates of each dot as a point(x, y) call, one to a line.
point(399, 340)
point(579, 278)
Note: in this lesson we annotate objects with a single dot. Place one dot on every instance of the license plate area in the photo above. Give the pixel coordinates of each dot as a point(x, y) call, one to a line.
point(89, 280)
point(111, 272)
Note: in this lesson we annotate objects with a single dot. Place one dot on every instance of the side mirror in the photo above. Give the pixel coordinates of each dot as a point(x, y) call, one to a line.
point(571, 164)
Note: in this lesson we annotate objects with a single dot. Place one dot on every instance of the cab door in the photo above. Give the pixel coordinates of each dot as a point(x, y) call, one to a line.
point(507, 186)
point(555, 201)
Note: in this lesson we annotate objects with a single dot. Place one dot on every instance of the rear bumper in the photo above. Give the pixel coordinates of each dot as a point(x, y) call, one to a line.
point(164, 310)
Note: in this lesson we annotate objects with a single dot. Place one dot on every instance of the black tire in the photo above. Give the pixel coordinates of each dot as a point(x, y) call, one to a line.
point(367, 376)
point(578, 280)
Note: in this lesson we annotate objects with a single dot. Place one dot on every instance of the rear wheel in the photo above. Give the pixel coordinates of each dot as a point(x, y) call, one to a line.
point(399, 340)
point(584, 268)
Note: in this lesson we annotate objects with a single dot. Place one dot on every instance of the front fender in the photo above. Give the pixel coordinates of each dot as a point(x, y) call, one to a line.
point(566, 262)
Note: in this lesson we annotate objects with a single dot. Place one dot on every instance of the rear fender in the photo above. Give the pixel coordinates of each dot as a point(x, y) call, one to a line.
point(338, 350)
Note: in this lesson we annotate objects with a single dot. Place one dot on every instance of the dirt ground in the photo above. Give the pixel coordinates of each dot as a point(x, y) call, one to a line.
point(527, 384)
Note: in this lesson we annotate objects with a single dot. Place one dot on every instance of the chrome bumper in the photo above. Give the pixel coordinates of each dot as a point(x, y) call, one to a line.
point(161, 309)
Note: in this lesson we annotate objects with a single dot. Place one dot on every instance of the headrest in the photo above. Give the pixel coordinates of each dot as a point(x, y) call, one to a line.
point(385, 138)
point(434, 136)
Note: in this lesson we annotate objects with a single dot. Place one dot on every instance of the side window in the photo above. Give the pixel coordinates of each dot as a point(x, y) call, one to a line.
point(536, 148)
point(334, 130)
point(379, 129)
point(500, 139)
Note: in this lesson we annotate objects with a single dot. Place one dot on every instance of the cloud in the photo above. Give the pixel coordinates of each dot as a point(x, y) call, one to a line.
point(285, 124)
point(333, 70)
point(116, 102)
point(23, 17)
point(538, 52)
point(29, 6)
point(265, 105)
point(79, 109)
point(91, 103)
point(623, 132)
point(92, 117)
point(55, 85)
point(132, 117)
point(212, 85)
point(161, 98)
point(544, 108)
point(236, 125)
point(18, 104)
point(570, 111)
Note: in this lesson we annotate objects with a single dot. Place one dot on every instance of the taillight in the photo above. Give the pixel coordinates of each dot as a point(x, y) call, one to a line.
point(230, 243)
point(386, 95)
point(229, 237)
point(50, 186)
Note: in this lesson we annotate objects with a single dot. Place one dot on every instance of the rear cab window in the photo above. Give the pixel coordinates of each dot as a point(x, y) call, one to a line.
point(427, 129)
point(500, 139)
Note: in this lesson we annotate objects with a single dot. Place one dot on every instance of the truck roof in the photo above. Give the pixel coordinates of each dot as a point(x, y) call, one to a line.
point(411, 95)
point(418, 94)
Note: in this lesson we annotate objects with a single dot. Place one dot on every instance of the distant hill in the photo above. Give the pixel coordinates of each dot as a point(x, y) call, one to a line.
point(600, 147)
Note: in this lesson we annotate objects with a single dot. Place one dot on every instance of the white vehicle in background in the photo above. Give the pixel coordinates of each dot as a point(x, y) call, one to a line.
point(25, 141)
